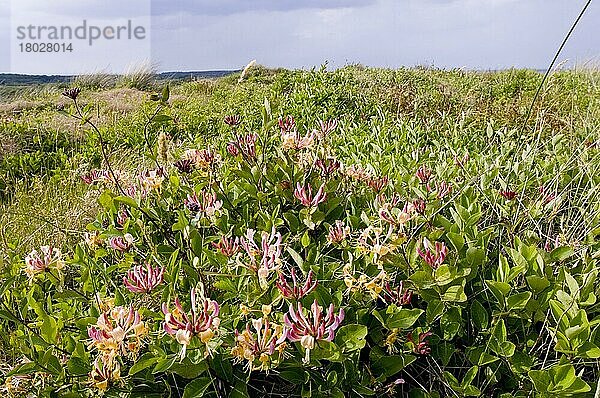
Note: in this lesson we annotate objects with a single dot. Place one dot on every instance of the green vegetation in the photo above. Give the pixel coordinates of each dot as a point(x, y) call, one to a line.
point(457, 247)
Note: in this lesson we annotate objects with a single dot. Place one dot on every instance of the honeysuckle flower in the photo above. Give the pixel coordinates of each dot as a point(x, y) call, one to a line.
point(328, 166)
point(143, 279)
point(508, 195)
point(152, 179)
point(134, 192)
point(207, 204)
point(433, 255)
point(338, 232)
point(72, 93)
point(93, 239)
point(232, 120)
point(227, 246)
point(232, 149)
point(202, 158)
point(377, 184)
point(95, 176)
point(184, 165)
point(258, 345)
point(104, 372)
point(292, 140)
point(398, 295)
point(287, 125)
point(424, 174)
point(202, 321)
point(375, 286)
point(373, 240)
point(271, 249)
point(420, 205)
point(326, 127)
point(121, 243)
point(443, 189)
point(312, 327)
point(305, 196)
point(244, 145)
point(47, 258)
point(118, 330)
point(297, 290)
point(421, 346)
point(357, 173)
point(395, 216)
point(122, 217)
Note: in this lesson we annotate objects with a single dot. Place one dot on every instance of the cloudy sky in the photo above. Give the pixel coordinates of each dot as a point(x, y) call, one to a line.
point(226, 34)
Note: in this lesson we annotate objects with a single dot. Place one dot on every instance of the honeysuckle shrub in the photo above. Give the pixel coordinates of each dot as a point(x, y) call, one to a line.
point(320, 257)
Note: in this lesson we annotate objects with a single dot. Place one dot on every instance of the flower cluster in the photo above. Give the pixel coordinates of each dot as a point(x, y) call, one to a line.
point(46, 259)
point(202, 321)
point(119, 331)
point(257, 345)
point(203, 204)
point(269, 253)
point(433, 255)
point(338, 232)
point(296, 290)
point(305, 195)
point(311, 327)
point(143, 279)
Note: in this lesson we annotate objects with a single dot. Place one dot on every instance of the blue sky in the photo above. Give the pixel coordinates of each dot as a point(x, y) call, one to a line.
point(226, 34)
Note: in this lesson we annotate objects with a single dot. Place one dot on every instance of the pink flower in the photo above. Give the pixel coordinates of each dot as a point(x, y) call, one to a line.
point(292, 140)
point(424, 174)
point(547, 196)
point(508, 195)
point(227, 246)
point(377, 184)
point(327, 127)
point(184, 165)
point(258, 344)
point(244, 145)
point(422, 346)
point(269, 253)
point(207, 203)
point(95, 176)
point(297, 290)
point(327, 166)
point(143, 279)
point(122, 218)
point(443, 189)
point(420, 206)
point(396, 216)
point(397, 295)
point(338, 232)
point(304, 195)
point(48, 257)
point(202, 320)
point(120, 329)
point(232, 149)
point(310, 328)
point(232, 120)
point(288, 124)
point(433, 257)
point(121, 243)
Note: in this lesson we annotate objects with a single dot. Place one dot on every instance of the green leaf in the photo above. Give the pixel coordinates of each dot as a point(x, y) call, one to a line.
point(561, 253)
point(457, 240)
point(296, 257)
point(435, 309)
point(197, 387)
point(351, 337)
point(455, 294)
point(479, 315)
point(143, 362)
point(390, 365)
point(518, 301)
point(404, 319)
